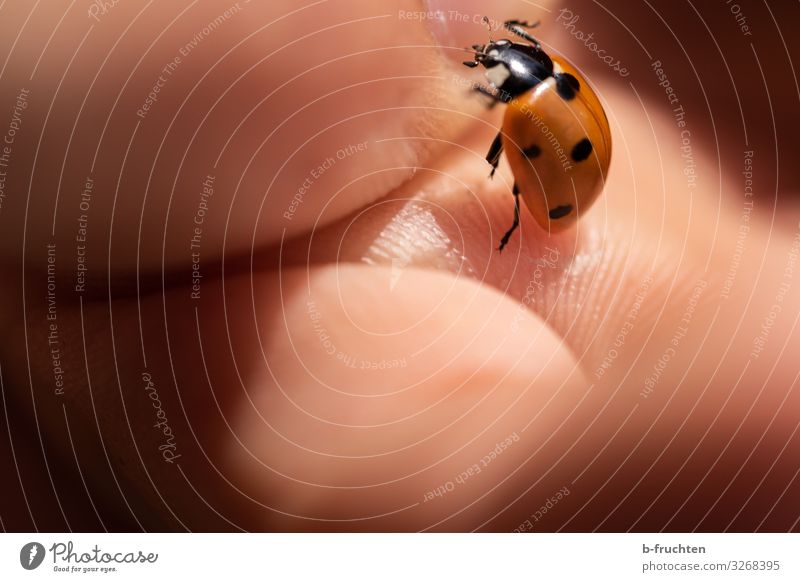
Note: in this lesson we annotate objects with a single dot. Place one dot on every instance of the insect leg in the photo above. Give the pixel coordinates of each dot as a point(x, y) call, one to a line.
point(496, 98)
point(522, 23)
point(507, 235)
point(518, 26)
point(493, 156)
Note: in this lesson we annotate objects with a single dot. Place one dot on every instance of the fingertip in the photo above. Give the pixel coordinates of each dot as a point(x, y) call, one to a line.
point(381, 385)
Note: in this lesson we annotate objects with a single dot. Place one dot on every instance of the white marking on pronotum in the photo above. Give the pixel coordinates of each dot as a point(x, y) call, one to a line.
point(498, 75)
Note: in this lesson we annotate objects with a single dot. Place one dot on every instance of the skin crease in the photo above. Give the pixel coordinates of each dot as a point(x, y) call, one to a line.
point(280, 426)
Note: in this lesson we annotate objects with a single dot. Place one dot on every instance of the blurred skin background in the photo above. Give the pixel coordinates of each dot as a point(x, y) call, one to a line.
point(249, 277)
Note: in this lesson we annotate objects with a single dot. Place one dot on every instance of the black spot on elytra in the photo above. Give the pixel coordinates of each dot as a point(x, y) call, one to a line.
point(567, 86)
point(560, 211)
point(582, 150)
point(533, 151)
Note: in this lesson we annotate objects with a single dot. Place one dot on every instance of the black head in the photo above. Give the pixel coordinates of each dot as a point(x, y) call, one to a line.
point(513, 68)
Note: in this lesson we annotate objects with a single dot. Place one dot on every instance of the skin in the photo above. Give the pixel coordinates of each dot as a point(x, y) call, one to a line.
point(375, 347)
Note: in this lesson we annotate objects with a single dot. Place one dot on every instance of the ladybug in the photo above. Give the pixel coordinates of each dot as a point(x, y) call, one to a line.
point(555, 133)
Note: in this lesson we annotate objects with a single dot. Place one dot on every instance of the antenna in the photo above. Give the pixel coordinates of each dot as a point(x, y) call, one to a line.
point(488, 24)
